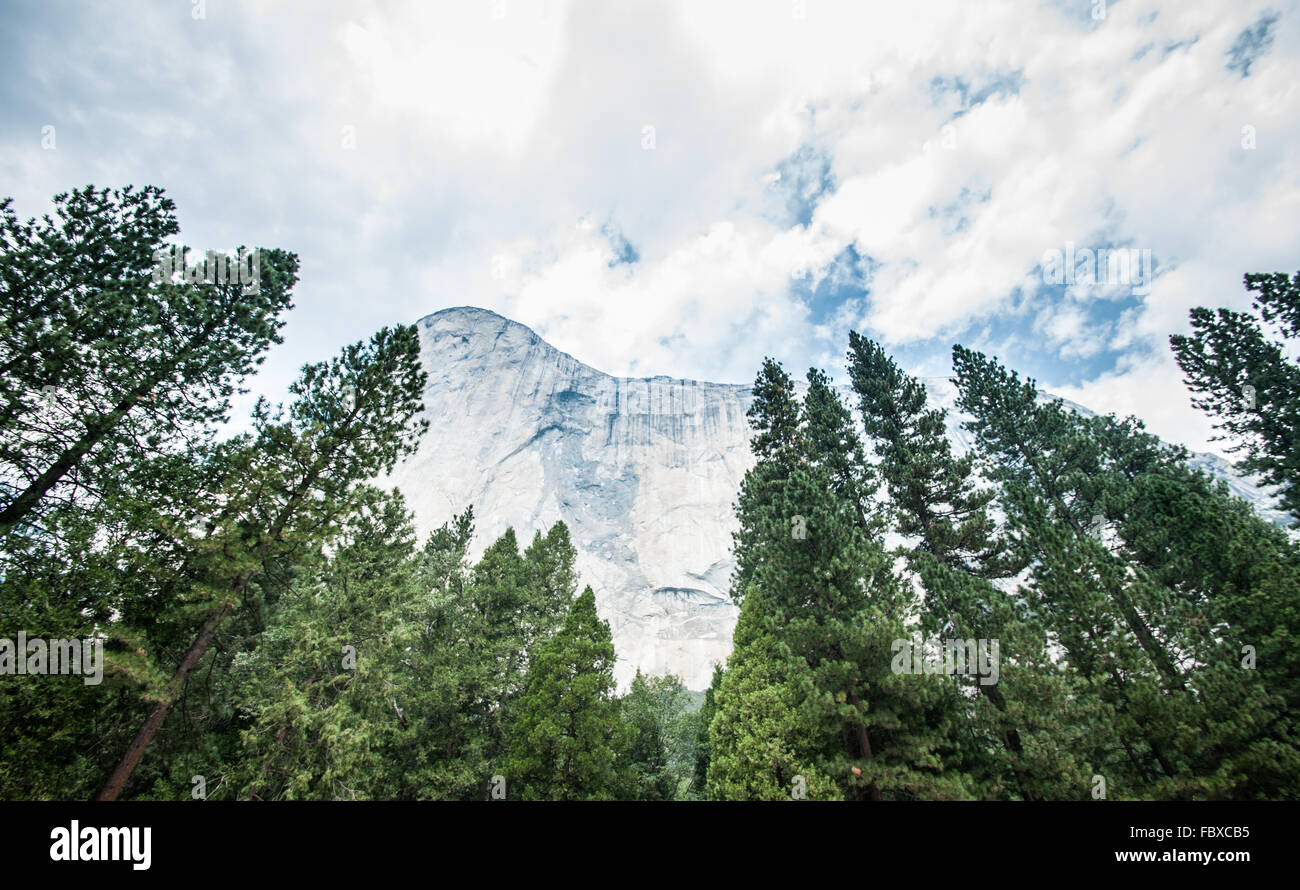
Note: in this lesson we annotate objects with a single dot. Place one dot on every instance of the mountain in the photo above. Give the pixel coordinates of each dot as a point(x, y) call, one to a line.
point(644, 472)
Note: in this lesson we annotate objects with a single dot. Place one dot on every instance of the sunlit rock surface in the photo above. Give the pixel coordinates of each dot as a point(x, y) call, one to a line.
point(643, 472)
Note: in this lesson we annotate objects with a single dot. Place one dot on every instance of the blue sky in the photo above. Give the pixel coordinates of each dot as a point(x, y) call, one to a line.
point(683, 188)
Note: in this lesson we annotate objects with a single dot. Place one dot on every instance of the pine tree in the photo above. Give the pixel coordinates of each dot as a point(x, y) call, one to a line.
point(703, 746)
point(831, 443)
point(441, 751)
point(774, 416)
point(566, 737)
point(100, 365)
point(499, 596)
point(1250, 381)
point(934, 492)
point(956, 555)
point(112, 386)
point(552, 582)
point(479, 630)
point(816, 654)
point(325, 688)
point(762, 746)
point(291, 485)
point(1093, 502)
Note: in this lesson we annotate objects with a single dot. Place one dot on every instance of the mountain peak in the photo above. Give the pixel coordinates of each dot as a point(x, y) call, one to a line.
point(465, 312)
point(484, 338)
point(472, 318)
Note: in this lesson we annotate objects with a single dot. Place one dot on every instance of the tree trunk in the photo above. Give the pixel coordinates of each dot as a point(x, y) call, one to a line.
point(71, 456)
point(113, 787)
point(864, 743)
point(208, 632)
point(1011, 739)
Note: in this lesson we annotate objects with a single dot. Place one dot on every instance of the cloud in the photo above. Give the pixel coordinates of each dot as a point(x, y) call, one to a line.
point(682, 188)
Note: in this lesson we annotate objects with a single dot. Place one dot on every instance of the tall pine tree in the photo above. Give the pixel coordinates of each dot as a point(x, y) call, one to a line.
point(567, 736)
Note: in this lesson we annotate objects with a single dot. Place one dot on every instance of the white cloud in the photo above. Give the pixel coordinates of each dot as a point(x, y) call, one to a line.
point(1149, 387)
point(483, 135)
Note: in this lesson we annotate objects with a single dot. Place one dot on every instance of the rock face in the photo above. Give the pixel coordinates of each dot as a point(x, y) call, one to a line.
point(644, 472)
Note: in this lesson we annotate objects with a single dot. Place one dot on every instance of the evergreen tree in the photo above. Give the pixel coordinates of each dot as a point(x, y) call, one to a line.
point(479, 629)
point(441, 751)
point(761, 746)
point(1093, 503)
point(774, 416)
point(659, 760)
point(957, 555)
point(101, 366)
point(703, 722)
point(815, 657)
point(291, 485)
point(831, 444)
point(325, 688)
point(1244, 369)
point(499, 596)
point(934, 493)
point(112, 387)
point(567, 735)
point(552, 582)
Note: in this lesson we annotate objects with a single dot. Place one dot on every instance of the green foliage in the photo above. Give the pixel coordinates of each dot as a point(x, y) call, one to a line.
point(763, 747)
point(113, 386)
point(1136, 562)
point(659, 760)
point(272, 624)
point(1132, 598)
point(956, 556)
point(102, 368)
point(809, 691)
point(567, 735)
point(320, 690)
point(1244, 370)
point(703, 738)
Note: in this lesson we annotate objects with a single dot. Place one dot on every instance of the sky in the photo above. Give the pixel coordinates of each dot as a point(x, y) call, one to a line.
point(683, 188)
